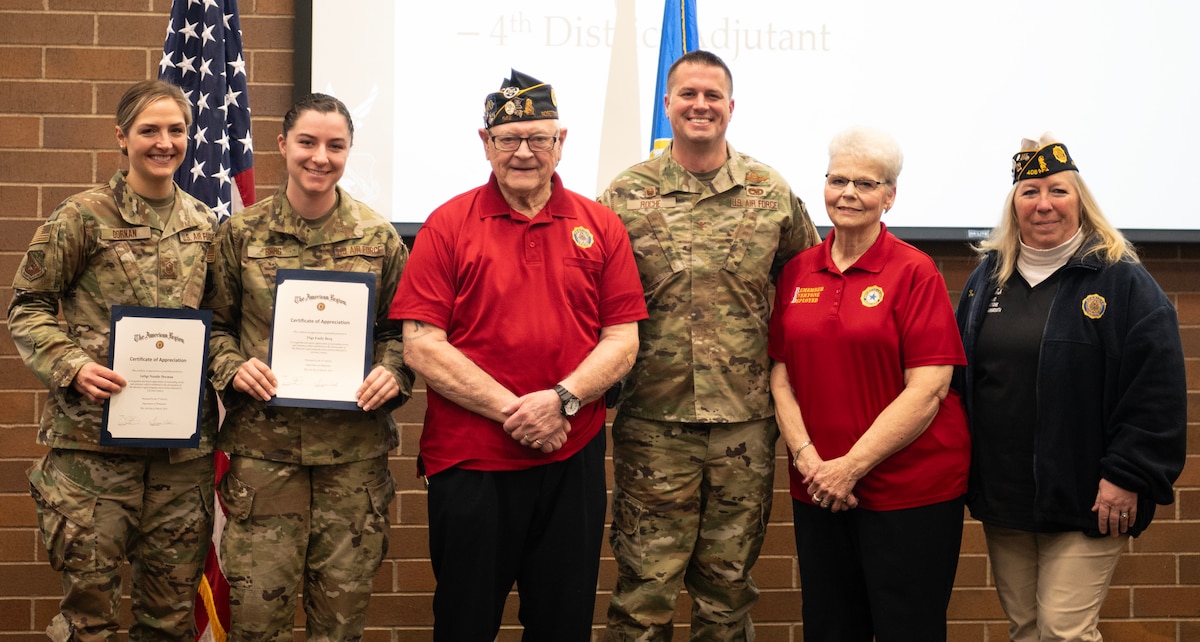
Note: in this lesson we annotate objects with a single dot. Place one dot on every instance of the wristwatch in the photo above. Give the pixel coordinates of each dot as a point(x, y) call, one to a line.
point(570, 403)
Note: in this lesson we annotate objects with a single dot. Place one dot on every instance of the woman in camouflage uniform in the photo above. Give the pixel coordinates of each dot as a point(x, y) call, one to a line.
point(308, 489)
point(139, 240)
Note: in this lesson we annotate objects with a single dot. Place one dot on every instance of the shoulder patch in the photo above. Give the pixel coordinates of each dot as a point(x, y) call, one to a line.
point(34, 266)
point(41, 236)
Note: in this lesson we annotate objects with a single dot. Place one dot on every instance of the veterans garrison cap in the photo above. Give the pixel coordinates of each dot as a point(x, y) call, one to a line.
point(521, 97)
point(1041, 158)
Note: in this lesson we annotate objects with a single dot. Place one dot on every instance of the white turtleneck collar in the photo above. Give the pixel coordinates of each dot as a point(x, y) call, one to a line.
point(1037, 265)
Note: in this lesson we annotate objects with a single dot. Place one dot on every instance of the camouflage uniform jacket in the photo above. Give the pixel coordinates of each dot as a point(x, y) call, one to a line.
point(707, 255)
point(101, 248)
point(251, 247)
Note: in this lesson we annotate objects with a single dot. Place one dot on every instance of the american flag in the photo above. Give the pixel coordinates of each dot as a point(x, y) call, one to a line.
point(203, 55)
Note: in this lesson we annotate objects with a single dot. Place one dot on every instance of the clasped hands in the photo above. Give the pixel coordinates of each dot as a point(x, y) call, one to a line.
point(535, 420)
point(830, 483)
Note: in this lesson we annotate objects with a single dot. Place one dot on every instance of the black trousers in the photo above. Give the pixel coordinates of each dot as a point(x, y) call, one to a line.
point(882, 575)
point(540, 528)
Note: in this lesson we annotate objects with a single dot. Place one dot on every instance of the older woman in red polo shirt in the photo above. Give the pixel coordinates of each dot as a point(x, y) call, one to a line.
point(864, 343)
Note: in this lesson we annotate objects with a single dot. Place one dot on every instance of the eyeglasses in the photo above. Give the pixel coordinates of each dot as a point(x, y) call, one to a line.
point(537, 142)
point(862, 185)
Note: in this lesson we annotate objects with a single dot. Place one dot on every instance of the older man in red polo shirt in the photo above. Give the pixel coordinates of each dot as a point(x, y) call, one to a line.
point(520, 304)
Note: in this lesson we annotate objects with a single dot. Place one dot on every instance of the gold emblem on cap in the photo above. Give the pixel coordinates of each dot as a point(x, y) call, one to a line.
point(582, 237)
point(1060, 154)
point(872, 296)
point(1094, 306)
point(510, 92)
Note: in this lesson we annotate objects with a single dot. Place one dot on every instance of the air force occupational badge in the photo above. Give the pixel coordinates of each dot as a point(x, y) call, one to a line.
point(1094, 306)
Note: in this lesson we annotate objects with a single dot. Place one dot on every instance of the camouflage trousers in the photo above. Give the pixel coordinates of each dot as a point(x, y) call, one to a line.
point(690, 507)
point(97, 510)
point(320, 528)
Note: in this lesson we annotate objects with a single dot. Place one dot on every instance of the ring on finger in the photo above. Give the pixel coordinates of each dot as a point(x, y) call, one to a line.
point(1124, 515)
point(537, 443)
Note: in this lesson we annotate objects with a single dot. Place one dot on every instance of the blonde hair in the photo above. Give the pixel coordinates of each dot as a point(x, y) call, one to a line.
point(1005, 238)
point(141, 95)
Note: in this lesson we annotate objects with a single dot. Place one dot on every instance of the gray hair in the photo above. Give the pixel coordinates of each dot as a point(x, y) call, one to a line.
point(871, 145)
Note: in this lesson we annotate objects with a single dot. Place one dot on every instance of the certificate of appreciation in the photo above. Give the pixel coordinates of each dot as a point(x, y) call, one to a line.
point(322, 337)
point(162, 353)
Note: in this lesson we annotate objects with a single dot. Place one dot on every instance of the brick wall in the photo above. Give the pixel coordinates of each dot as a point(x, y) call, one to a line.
point(64, 63)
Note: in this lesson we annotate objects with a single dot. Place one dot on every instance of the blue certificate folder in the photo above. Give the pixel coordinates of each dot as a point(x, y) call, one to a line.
point(325, 364)
point(162, 353)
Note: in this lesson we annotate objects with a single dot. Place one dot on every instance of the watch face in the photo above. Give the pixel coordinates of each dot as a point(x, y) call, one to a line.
point(571, 407)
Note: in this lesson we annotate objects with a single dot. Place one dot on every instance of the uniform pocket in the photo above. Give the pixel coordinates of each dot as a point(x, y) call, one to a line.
point(581, 278)
point(653, 249)
point(237, 496)
point(752, 251)
point(66, 513)
point(625, 537)
point(383, 494)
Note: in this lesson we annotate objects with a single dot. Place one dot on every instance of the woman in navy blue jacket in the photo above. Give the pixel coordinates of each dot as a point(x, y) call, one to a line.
point(1076, 397)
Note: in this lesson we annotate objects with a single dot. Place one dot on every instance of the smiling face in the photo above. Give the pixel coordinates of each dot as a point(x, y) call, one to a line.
point(315, 149)
point(524, 174)
point(849, 208)
point(1047, 210)
point(156, 142)
point(699, 104)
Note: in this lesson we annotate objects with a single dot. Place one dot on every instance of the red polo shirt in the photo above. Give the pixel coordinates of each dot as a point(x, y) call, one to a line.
point(846, 339)
point(525, 300)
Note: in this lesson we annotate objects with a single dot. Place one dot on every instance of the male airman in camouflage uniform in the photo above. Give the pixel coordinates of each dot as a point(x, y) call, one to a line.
point(100, 505)
point(308, 489)
point(694, 440)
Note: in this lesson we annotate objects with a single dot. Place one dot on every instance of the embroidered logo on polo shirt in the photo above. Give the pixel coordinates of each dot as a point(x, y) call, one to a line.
point(871, 296)
point(807, 295)
point(1094, 306)
point(582, 237)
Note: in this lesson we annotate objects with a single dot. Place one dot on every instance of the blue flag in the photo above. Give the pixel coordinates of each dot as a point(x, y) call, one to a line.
point(202, 54)
point(678, 37)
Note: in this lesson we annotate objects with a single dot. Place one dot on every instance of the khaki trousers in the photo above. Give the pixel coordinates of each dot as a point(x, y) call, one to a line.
point(1052, 585)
